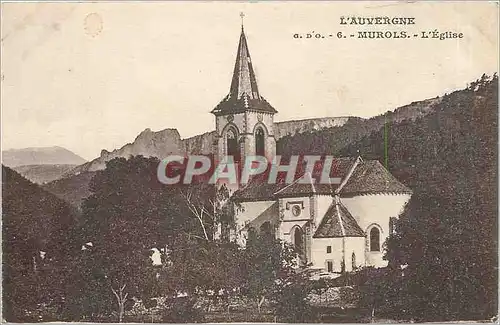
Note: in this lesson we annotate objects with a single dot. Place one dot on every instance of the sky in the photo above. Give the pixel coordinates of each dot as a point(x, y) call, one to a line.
point(92, 76)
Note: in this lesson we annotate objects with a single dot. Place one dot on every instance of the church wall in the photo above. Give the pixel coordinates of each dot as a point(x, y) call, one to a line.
point(351, 245)
point(354, 245)
point(377, 209)
point(320, 255)
point(253, 120)
point(289, 220)
point(222, 122)
point(245, 123)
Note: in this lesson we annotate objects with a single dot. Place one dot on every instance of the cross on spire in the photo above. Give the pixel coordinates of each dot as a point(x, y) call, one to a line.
point(242, 15)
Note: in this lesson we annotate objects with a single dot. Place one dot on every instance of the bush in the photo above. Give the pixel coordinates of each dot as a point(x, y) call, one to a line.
point(182, 310)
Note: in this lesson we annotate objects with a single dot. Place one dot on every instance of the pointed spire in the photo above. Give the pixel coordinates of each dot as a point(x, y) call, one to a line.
point(244, 81)
point(243, 94)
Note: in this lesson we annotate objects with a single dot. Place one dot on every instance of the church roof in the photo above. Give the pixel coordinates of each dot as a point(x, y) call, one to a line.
point(244, 81)
point(338, 222)
point(244, 93)
point(358, 177)
point(259, 189)
point(371, 177)
point(340, 168)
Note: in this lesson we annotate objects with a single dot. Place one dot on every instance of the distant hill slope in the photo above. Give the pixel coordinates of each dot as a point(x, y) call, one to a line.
point(331, 140)
point(33, 221)
point(42, 174)
point(457, 142)
point(24, 202)
point(71, 189)
point(147, 144)
point(40, 156)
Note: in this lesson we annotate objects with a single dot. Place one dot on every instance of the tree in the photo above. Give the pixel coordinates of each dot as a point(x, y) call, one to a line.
point(291, 297)
point(268, 262)
point(129, 213)
point(447, 236)
point(212, 207)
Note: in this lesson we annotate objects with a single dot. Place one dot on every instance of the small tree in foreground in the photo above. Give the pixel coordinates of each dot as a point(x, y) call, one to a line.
point(268, 262)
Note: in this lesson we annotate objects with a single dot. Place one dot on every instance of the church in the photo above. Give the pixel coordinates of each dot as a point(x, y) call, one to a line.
point(332, 226)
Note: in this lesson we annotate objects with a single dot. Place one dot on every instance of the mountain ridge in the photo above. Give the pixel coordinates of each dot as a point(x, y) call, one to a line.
point(73, 186)
point(54, 155)
point(168, 141)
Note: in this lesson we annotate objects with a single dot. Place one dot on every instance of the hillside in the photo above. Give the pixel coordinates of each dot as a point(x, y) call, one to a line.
point(448, 232)
point(34, 224)
point(331, 140)
point(71, 189)
point(42, 174)
point(40, 156)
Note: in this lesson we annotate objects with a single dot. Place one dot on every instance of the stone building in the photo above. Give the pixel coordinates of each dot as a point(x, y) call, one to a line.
point(329, 224)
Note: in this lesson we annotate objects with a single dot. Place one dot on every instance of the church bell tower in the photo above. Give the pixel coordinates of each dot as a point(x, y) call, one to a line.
point(244, 119)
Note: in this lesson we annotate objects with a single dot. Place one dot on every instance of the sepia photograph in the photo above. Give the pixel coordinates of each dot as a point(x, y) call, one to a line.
point(249, 162)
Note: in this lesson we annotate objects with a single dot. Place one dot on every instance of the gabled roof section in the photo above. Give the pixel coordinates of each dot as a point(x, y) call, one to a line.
point(259, 189)
point(243, 94)
point(338, 222)
point(271, 214)
point(358, 177)
point(370, 177)
point(310, 184)
point(302, 186)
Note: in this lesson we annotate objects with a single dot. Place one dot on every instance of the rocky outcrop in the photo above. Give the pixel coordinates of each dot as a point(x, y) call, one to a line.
point(202, 144)
point(285, 128)
point(147, 143)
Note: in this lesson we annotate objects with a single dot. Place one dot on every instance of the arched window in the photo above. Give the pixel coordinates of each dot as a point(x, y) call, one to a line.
point(299, 243)
point(374, 240)
point(266, 228)
point(298, 239)
point(252, 235)
point(260, 149)
point(353, 260)
point(233, 148)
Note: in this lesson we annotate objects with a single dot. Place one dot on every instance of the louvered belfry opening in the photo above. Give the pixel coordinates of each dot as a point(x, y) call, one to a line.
point(260, 148)
point(233, 148)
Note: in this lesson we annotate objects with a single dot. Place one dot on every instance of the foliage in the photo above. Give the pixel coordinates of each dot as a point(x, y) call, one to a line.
point(35, 223)
point(182, 310)
point(291, 298)
point(128, 214)
point(268, 262)
point(447, 236)
point(442, 259)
